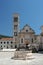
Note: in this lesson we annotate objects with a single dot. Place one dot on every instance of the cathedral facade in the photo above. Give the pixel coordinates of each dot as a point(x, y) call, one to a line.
point(23, 37)
point(26, 35)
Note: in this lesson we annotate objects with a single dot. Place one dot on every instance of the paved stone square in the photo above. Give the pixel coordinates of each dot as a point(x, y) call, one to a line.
point(5, 59)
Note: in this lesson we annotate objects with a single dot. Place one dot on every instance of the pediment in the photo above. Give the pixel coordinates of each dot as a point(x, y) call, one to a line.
point(28, 29)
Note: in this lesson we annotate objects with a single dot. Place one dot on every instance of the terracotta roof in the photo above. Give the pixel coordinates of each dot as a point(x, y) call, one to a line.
point(6, 39)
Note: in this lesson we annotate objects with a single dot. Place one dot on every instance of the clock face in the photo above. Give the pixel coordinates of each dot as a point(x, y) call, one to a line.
point(15, 19)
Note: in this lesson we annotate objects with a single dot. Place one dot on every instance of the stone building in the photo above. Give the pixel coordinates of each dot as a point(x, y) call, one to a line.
point(23, 37)
point(6, 43)
point(26, 35)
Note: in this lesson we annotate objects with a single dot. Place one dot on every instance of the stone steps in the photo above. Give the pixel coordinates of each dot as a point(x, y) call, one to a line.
point(22, 54)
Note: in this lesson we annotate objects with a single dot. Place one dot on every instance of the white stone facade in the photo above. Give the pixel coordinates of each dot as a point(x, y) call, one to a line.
point(27, 35)
point(6, 43)
point(22, 37)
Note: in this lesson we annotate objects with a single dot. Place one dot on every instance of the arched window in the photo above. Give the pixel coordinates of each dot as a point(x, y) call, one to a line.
point(4, 42)
point(11, 46)
point(15, 19)
point(7, 47)
point(4, 45)
point(15, 46)
point(7, 42)
point(1, 45)
point(11, 42)
point(15, 26)
point(1, 42)
point(32, 40)
point(15, 33)
point(21, 40)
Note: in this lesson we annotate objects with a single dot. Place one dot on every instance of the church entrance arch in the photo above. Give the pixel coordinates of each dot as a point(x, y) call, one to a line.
point(27, 42)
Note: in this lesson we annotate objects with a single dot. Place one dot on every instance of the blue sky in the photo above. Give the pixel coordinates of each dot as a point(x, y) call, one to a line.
point(30, 12)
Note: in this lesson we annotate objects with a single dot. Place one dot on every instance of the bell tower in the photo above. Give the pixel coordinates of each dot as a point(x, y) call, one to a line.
point(42, 30)
point(15, 29)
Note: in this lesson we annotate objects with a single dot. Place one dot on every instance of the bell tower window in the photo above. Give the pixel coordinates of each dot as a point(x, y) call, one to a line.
point(15, 26)
point(15, 33)
point(15, 19)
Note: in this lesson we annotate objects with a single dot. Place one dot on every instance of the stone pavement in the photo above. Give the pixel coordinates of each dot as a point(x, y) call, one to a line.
point(5, 59)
